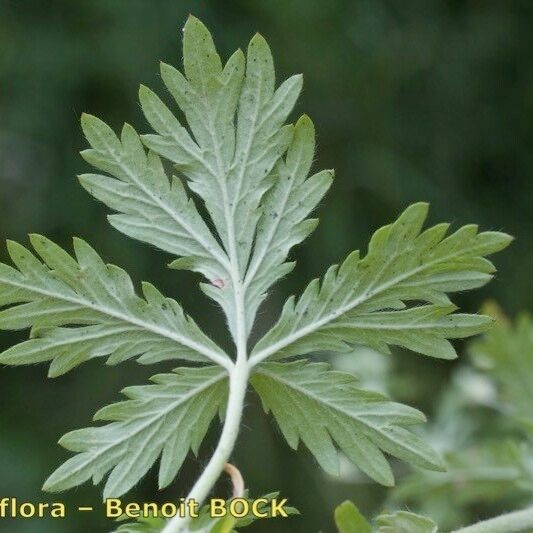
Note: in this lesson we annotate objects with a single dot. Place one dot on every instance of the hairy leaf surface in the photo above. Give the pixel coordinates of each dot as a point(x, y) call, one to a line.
point(164, 419)
point(322, 407)
point(367, 300)
point(98, 304)
point(283, 222)
point(151, 209)
point(235, 137)
point(236, 118)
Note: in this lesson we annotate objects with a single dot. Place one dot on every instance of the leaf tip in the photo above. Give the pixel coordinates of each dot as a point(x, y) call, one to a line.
point(47, 486)
point(88, 120)
point(144, 91)
point(258, 41)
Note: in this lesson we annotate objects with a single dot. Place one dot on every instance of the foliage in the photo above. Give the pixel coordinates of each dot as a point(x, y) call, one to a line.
point(318, 405)
point(165, 419)
point(348, 519)
point(237, 205)
point(63, 292)
point(485, 465)
point(504, 354)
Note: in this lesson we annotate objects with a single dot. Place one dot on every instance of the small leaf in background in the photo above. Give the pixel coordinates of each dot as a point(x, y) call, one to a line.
point(404, 522)
point(505, 354)
point(348, 519)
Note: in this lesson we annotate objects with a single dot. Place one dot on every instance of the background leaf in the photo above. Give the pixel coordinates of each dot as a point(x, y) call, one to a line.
point(405, 522)
point(506, 355)
point(348, 519)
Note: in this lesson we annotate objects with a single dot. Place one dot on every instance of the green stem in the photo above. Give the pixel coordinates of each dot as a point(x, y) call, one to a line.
point(515, 522)
point(201, 489)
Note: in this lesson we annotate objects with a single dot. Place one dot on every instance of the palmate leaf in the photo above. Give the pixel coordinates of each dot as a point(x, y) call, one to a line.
point(99, 304)
point(251, 172)
point(320, 406)
point(164, 419)
point(365, 300)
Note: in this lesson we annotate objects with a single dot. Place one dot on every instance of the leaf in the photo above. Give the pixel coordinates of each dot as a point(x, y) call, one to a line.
point(405, 522)
point(348, 519)
point(235, 138)
point(150, 208)
point(321, 406)
point(487, 471)
point(505, 354)
point(236, 118)
point(285, 207)
point(164, 419)
point(81, 308)
point(366, 300)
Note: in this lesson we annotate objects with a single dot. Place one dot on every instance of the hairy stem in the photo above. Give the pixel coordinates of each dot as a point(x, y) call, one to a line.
point(515, 522)
point(204, 484)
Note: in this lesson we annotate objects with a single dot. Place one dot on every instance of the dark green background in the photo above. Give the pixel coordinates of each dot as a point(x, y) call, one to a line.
point(412, 100)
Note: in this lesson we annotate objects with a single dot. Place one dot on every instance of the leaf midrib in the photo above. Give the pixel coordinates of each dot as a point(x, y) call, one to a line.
point(171, 335)
point(288, 340)
point(161, 414)
point(334, 407)
point(219, 258)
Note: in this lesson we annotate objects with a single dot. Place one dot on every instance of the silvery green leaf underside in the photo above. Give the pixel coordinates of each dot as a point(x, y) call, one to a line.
point(80, 308)
point(395, 295)
point(324, 408)
point(164, 420)
point(236, 155)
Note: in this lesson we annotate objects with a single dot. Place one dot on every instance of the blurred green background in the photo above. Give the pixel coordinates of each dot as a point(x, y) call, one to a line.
point(411, 100)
